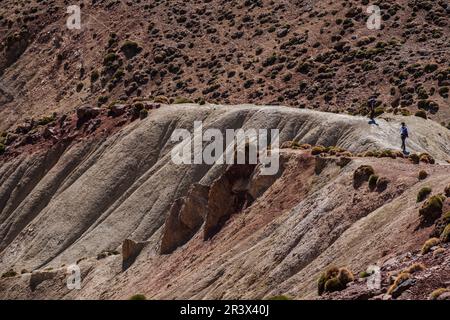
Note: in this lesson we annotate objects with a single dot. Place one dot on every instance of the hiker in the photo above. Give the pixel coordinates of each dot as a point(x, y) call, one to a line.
point(404, 135)
point(371, 103)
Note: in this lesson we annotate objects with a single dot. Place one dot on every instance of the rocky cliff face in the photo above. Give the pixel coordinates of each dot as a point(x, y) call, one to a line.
point(309, 54)
point(135, 222)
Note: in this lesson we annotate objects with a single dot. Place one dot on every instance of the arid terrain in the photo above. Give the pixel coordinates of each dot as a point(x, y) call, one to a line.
point(304, 54)
point(87, 178)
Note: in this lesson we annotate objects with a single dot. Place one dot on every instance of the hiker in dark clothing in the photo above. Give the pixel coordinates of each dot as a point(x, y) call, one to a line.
point(371, 103)
point(404, 135)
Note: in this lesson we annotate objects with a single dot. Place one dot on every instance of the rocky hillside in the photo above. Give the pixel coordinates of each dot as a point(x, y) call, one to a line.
point(86, 177)
point(305, 54)
point(135, 222)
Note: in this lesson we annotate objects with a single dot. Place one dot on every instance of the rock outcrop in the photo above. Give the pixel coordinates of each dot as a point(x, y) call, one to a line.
point(258, 237)
point(185, 217)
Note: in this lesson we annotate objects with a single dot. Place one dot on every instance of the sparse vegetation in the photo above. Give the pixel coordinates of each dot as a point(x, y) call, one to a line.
point(143, 114)
point(445, 236)
point(110, 58)
point(423, 175)
point(373, 179)
point(423, 194)
point(364, 274)
point(421, 114)
point(414, 158)
point(430, 243)
point(9, 274)
point(382, 184)
point(46, 120)
point(130, 48)
point(318, 150)
point(181, 100)
point(362, 174)
point(425, 157)
point(161, 99)
point(402, 277)
point(94, 76)
point(431, 209)
point(416, 267)
point(334, 279)
point(436, 293)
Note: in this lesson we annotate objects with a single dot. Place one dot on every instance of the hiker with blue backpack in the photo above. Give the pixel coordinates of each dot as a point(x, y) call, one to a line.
point(404, 135)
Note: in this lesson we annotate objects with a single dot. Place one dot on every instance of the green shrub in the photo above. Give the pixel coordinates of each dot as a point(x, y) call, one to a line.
point(387, 153)
point(118, 75)
point(414, 158)
point(365, 274)
point(382, 183)
point(318, 150)
point(362, 174)
point(130, 48)
point(334, 279)
point(421, 114)
point(426, 158)
point(345, 275)
point(79, 87)
point(373, 181)
point(445, 236)
point(416, 267)
point(431, 209)
point(143, 114)
point(402, 277)
point(431, 67)
point(181, 100)
point(324, 277)
point(9, 274)
point(161, 99)
point(443, 91)
point(423, 174)
point(423, 194)
point(446, 217)
point(379, 111)
point(102, 100)
point(110, 58)
point(2, 148)
point(430, 243)
point(94, 76)
point(46, 120)
point(334, 284)
point(138, 297)
point(436, 293)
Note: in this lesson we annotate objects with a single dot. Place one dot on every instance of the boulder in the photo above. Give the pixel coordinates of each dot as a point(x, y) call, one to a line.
point(227, 196)
point(86, 112)
point(402, 287)
point(117, 110)
point(130, 251)
point(37, 277)
point(185, 218)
